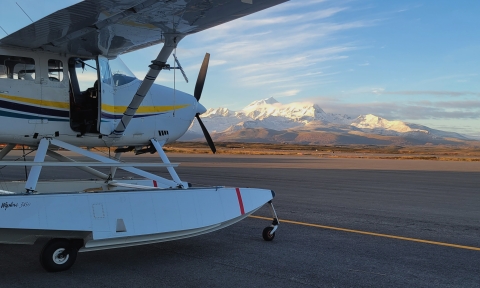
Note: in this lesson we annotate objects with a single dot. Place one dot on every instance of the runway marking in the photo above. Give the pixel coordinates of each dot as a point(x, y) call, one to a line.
point(372, 233)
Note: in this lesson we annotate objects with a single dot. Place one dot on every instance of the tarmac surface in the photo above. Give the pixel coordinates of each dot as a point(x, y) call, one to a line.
point(347, 223)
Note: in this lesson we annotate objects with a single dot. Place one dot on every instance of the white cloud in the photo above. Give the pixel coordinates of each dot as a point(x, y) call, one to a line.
point(426, 92)
point(283, 48)
point(453, 77)
point(288, 93)
point(217, 62)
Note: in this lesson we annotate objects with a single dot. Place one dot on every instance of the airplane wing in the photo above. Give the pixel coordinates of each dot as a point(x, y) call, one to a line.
point(114, 27)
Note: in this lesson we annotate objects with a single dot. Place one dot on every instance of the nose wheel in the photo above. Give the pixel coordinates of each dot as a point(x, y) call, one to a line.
point(269, 232)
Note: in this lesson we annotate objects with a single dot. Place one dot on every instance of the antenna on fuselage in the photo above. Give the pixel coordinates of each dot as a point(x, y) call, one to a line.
point(24, 11)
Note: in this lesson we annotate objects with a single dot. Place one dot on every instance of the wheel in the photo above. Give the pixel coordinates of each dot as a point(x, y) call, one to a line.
point(58, 255)
point(267, 236)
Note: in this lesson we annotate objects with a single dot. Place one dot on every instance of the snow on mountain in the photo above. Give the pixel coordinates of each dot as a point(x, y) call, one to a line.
point(255, 104)
point(294, 111)
point(218, 112)
point(267, 113)
point(271, 114)
point(271, 122)
point(299, 112)
point(380, 124)
point(218, 120)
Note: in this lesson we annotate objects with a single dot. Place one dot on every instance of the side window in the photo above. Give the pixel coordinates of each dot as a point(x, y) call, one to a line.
point(105, 74)
point(18, 68)
point(55, 70)
point(85, 72)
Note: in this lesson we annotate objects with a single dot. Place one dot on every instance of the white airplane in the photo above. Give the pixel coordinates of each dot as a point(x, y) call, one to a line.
point(45, 104)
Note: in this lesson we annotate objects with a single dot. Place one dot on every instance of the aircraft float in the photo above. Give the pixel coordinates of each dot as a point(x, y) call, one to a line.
point(45, 104)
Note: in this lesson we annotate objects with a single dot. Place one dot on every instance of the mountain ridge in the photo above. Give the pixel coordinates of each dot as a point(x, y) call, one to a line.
point(268, 120)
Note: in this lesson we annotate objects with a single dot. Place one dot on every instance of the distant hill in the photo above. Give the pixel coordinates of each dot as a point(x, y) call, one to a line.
point(269, 121)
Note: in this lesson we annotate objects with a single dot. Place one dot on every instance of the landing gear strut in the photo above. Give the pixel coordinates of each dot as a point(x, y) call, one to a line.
point(269, 232)
point(59, 254)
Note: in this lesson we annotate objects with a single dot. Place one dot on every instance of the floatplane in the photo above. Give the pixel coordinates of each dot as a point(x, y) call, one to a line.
point(46, 104)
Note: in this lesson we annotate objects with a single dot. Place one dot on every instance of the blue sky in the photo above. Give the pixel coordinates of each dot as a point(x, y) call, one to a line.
point(415, 61)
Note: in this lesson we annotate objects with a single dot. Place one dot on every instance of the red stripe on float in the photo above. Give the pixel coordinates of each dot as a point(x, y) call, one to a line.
point(240, 201)
point(155, 183)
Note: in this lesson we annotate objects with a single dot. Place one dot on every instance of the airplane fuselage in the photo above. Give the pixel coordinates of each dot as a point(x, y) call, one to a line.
point(41, 95)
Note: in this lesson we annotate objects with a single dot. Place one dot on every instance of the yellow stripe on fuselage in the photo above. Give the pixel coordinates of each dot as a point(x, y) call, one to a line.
point(105, 107)
point(40, 102)
point(142, 109)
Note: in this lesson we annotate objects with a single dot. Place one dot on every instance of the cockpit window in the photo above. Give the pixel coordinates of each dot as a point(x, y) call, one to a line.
point(86, 71)
point(121, 74)
point(20, 68)
point(105, 74)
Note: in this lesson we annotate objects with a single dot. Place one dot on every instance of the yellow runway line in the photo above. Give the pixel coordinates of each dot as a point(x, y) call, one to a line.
point(371, 233)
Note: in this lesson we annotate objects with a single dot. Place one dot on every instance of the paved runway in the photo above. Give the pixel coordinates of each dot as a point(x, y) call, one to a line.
point(423, 200)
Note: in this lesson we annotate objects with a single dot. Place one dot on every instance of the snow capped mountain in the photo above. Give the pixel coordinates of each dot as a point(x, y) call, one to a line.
point(298, 112)
point(267, 113)
point(273, 115)
point(255, 104)
point(218, 112)
point(380, 124)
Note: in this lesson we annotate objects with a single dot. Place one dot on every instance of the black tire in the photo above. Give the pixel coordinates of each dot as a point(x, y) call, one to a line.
point(267, 236)
point(58, 255)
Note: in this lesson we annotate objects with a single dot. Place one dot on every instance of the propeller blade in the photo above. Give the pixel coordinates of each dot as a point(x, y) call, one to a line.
point(201, 77)
point(207, 135)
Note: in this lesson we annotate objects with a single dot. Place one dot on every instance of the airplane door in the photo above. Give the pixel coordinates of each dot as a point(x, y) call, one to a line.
point(106, 100)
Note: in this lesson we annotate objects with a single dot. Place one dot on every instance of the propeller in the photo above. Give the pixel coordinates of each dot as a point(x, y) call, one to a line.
point(198, 93)
point(202, 74)
point(207, 135)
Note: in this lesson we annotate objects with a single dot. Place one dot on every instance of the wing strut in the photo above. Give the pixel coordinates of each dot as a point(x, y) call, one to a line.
point(171, 41)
